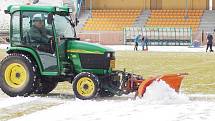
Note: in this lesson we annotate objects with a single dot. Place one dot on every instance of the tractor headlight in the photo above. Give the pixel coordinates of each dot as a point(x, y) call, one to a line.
point(111, 55)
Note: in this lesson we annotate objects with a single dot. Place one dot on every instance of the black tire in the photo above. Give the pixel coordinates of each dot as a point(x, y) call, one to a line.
point(45, 86)
point(83, 83)
point(26, 74)
point(105, 93)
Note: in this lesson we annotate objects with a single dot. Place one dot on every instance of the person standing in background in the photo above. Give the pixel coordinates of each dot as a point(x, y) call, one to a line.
point(209, 42)
point(144, 43)
point(136, 41)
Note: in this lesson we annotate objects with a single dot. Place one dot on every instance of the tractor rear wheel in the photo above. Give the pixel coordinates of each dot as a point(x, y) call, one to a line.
point(45, 86)
point(85, 86)
point(18, 75)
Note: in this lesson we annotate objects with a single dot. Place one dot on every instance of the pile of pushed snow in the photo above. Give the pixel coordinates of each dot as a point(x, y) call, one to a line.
point(161, 93)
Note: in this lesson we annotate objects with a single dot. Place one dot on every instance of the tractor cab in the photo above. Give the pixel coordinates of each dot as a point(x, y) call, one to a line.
point(40, 29)
point(44, 50)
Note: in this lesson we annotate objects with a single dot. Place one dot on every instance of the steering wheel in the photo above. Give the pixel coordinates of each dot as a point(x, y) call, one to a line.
point(52, 44)
point(48, 47)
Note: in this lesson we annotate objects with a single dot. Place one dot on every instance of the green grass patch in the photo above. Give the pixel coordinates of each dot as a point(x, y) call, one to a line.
point(200, 66)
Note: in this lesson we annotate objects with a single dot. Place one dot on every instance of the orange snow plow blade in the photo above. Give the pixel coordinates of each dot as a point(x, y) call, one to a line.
point(173, 80)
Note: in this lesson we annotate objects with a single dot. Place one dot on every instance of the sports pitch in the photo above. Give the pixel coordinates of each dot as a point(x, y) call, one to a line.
point(200, 66)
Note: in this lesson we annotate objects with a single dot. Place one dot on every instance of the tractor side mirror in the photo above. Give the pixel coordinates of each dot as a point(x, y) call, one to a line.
point(76, 21)
point(73, 25)
point(50, 18)
point(7, 39)
point(6, 11)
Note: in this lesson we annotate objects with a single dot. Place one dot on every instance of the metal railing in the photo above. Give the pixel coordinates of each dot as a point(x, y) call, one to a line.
point(160, 36)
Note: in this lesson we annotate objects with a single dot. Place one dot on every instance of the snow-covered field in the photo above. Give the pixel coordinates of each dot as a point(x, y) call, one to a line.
point(159, 103)
point(151, 48)
point(159, 48)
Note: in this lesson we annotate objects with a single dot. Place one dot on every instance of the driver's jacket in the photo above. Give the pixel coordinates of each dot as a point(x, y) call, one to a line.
point(40, 35)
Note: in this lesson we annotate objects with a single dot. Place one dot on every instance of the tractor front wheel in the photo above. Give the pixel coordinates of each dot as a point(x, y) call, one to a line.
point(85, 86)
point(17, 75)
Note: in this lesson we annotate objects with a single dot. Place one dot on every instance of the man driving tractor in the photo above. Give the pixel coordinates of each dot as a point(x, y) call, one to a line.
point(38, 33)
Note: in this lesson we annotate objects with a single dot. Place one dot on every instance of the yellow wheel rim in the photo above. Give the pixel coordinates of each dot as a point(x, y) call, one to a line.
point(15, 75)
point(85, 86)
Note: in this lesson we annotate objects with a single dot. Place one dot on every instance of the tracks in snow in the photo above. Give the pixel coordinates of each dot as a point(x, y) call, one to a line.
point(19, 106)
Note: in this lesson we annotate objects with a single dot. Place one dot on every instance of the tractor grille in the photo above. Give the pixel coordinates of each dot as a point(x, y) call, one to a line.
point(96, 61)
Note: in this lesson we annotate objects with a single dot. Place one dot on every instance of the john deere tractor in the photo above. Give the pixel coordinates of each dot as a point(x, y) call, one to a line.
point(39, 58)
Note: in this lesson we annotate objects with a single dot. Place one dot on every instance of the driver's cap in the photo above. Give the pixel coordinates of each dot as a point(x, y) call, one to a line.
point(37, 17)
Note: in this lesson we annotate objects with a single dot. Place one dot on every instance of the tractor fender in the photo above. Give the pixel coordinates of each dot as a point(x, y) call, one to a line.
point(29, 52)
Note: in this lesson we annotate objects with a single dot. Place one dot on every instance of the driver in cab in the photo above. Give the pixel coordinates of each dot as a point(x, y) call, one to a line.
point(39, 34)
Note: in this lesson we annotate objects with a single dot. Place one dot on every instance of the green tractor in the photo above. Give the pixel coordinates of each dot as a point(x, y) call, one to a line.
point(44, 50)
point(39, 58)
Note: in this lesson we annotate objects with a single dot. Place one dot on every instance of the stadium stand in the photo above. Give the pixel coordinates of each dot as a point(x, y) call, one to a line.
point(175, 18)
point(116, 20)
point(176, 22)
point(111, 20)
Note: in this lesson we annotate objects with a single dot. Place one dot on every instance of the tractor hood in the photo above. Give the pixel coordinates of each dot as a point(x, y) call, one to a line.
point(76, 46)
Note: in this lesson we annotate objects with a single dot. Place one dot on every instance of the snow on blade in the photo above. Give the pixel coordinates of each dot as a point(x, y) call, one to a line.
point(161, 93)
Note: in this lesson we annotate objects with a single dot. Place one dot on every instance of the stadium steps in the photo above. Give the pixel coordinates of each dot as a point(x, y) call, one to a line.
point(207, 21)
point(84, 16)
point(142, 19)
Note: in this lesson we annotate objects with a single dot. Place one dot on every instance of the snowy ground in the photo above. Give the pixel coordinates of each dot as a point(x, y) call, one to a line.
point(151, 48)
point(160, 48)
point(159, 103)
